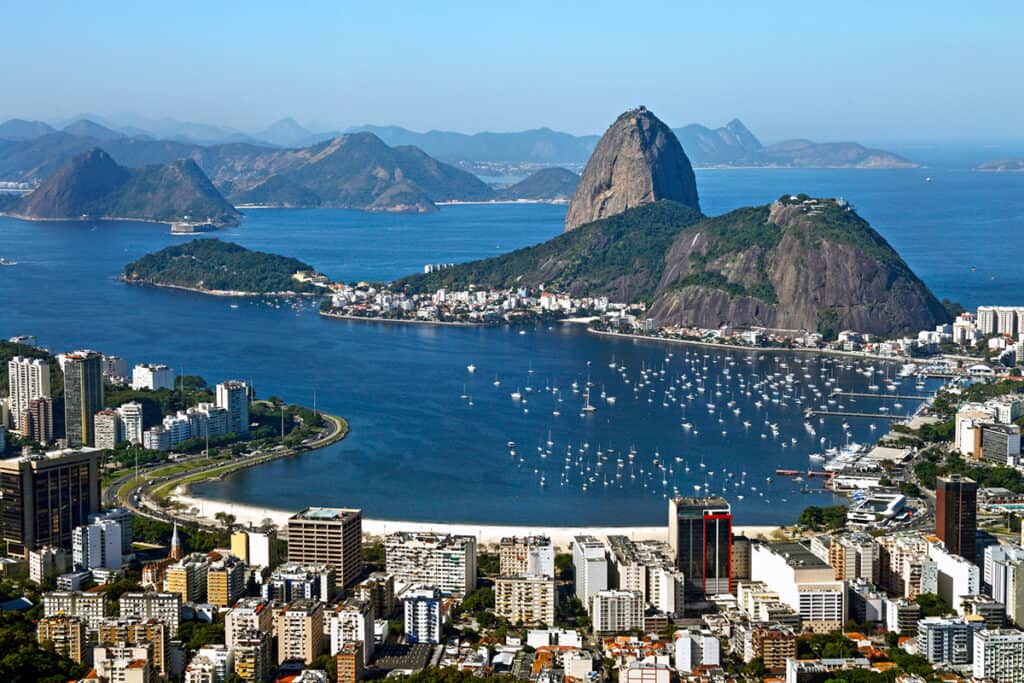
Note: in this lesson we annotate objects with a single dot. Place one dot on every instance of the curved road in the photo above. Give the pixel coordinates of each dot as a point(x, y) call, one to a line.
point(136, 498)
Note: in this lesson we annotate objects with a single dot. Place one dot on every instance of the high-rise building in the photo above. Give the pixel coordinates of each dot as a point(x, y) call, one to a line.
point(379, 588)
point(699, 648)
point(115, 369)
point(123, 663)
point(248, 614)
point(83, 395)
point(47, 563)
point(256, 546)
point(163, 606)
point(89, 607)
point(97, 545)
point(526, 599)
point(27, 378)
point(300, 631)
point(700, 533)
point(254, 656)
point(233, 396)
point(956, 514)
point(803, 582)
point(616, 611)
point(44, 497)
point(188, 577)
point(331, 536)
point(109, 429)
point(131, 421)
point(424, 615)
point(295, 581)
point(527, 556)
point(67, 634)
point(350, 663)
point(152, 376)
point(591, 568)
point(225, 581)
point(947, 640)
point(139, 632)
point(40, 414)
point(352, 622)
point(999, 655)
point(443, 561)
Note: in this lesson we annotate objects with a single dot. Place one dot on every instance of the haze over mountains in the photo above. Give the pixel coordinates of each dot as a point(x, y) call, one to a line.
point(730, 145)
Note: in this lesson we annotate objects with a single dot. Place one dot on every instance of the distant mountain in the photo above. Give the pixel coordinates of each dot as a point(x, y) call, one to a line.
point(94, 185)
point(637, 161)
point(351, 171)
point(20, 129)
point(356, 171)
point(1002, 165)
point(733, 143)
point(548, 184)
point(285, 133)
point(90, 129)
point(213, 266)
point(541, 145)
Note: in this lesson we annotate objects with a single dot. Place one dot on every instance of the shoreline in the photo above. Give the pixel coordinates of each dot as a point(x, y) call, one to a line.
point(750, 349)
point(486, 534)
point(121, 219)
point(214, 292)
point(399, 321)
point(456, 202)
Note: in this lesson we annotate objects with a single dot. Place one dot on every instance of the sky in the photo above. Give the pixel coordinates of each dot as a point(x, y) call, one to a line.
point(869, 71)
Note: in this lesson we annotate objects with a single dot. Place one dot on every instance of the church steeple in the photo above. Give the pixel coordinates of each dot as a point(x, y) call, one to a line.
point(176, 551)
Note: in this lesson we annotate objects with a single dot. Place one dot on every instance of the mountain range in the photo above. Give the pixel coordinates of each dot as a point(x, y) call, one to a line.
point(730, 145)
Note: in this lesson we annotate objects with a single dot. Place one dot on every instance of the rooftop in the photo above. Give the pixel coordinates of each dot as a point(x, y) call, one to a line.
point(797, 555)
point(327, 514)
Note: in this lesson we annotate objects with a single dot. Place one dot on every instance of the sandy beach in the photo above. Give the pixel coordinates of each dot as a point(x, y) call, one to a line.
point(486, 534)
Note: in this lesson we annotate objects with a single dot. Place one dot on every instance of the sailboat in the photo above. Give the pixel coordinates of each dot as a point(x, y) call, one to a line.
point(587, 408)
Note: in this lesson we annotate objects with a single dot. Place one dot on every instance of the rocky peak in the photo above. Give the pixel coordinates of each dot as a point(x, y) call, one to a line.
point(637, 161)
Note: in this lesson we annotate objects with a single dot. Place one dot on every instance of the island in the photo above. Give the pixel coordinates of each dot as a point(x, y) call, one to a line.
point(212, 266)
point(92, 186)
point(1002, 166)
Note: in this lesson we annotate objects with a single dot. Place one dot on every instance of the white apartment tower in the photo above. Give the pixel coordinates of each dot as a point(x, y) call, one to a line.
point(233, 396)
point(28, 378)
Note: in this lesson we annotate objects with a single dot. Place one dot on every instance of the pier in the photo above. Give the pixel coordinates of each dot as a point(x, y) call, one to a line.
point(878, 394)
point(839, 413)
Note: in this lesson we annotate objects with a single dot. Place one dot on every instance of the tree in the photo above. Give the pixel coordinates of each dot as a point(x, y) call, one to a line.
point(328, 664)
point(932, 605)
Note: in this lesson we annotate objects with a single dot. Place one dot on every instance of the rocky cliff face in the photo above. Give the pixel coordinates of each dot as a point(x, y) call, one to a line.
point(637, 161)
point(800, 264)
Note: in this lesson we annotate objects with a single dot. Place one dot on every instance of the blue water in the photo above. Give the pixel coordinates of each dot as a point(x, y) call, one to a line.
point(418, 450)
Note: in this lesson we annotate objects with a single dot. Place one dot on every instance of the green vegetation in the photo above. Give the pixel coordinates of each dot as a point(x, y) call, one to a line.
point(195, 634)
point(210, 264)
point(451, 675)
point(763, 290)
point(825, 646)
point(623, 255)
point(22, 658)
point(932, 605)
point(193, 538)
point(999, 476)
point(829, 518)
point(488, 564)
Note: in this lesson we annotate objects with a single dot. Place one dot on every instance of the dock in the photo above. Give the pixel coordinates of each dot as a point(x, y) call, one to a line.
point(839, 413)
point(878, 394)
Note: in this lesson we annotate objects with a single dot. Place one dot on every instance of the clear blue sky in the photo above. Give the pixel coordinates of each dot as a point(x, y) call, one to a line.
point(824, 70)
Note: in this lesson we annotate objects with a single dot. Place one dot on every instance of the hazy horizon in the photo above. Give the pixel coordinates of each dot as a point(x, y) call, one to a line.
point(871, 73)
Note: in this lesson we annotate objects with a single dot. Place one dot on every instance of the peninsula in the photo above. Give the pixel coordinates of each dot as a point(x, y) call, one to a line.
point(635, 234)
point(211, 266)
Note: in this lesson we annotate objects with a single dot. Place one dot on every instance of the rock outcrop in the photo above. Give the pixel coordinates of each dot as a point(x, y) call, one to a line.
point(637, 161)
point(799, 264)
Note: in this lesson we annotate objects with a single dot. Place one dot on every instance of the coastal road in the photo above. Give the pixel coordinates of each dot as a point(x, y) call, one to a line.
point(138, 500)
